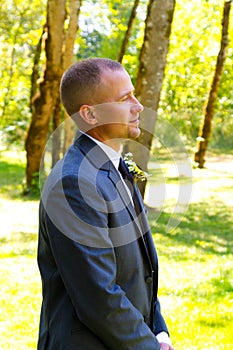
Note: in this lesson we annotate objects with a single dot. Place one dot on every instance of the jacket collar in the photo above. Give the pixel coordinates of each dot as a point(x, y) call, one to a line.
point(92, 151)
point(101, 161)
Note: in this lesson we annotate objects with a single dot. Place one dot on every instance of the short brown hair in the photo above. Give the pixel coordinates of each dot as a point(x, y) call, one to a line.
point(80, 82)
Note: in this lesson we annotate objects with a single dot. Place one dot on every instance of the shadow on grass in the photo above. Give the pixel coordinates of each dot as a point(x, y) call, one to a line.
point(18, 244)
point(12, 178)
point(205, 226)
point(211, 322)
point(11, 173)
point(212, 289)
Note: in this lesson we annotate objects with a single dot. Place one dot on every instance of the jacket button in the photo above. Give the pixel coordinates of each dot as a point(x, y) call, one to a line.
point(149, 279)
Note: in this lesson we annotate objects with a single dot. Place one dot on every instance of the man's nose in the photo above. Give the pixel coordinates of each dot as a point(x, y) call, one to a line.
point(136, 105)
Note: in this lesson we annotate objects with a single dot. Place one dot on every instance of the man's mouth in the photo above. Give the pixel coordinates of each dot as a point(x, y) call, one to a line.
point(135, 122)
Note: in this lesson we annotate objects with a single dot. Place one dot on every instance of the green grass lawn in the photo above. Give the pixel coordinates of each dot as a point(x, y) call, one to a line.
point(196, 259)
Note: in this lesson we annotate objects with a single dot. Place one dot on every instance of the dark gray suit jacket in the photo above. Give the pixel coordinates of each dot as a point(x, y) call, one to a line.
point(97, 260)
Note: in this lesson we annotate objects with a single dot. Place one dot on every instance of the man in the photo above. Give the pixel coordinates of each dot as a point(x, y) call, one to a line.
point(96, 255)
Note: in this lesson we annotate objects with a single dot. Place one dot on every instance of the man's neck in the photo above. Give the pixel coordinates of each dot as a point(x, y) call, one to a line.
point(115, 144)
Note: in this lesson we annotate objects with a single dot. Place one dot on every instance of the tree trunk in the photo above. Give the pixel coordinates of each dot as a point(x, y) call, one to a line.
point(128, 31)
point(75, 7)
point(56, 136)
point(73, 11)
point(152, 62)
point(205, 129)
point(49, 90)
point(36, 69)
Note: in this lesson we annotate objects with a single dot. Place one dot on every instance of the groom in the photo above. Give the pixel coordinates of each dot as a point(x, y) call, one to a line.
point(96, 255)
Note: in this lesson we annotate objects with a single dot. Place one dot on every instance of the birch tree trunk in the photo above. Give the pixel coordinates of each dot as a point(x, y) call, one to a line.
point(152, 62)
point(205, 129)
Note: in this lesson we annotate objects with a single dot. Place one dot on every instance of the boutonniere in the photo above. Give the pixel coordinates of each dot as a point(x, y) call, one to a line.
point(137, 173)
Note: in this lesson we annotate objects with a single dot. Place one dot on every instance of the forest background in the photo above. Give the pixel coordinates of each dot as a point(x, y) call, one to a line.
point(191, 60)
point(200, 249)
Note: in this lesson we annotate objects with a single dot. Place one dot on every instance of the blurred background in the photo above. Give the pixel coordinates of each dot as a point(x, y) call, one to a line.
point(179, 55)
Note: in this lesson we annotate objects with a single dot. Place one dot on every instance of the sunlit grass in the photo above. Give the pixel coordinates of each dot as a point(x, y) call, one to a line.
point(196, 261)
point(12, 172)
point(20, 301)
point(196, 271)
point(19, 277)
point(196, 254)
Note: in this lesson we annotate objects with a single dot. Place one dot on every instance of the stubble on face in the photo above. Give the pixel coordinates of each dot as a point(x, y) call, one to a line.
point(117, 111)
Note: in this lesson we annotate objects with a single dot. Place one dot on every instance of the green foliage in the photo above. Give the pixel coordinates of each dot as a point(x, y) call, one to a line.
point(21, 27)
point(194, 45)
point(102, 28)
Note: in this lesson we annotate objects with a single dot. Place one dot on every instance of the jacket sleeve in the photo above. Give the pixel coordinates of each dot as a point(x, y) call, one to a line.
point(159, 323)
point(78, 235)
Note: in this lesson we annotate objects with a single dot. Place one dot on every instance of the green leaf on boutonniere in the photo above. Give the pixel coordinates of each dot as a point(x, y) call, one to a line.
point(137, 173)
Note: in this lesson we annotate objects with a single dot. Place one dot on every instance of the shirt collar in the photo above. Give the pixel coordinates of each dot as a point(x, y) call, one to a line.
point(113, 155)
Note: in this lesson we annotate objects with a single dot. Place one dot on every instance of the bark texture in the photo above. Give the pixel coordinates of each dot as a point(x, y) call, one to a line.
point(48, 90)
point(60, 146)
point(205, 129)
point(128, 31)
point(45, 106)
point(152, 62)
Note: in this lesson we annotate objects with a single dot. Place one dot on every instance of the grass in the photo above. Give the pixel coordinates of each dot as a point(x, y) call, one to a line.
point(196, 257)
point(196, 281)
point(20, 282)
point(196, 260)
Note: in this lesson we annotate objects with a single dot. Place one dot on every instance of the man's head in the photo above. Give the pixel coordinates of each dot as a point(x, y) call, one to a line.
point(99, 92)
point(81, 82)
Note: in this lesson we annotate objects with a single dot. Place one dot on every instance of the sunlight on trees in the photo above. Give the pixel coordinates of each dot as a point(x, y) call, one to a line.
point(201, 247)
point(21, 27)
point(194, 44)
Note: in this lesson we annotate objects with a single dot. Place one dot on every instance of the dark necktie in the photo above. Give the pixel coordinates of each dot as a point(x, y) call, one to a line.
point(123, 169)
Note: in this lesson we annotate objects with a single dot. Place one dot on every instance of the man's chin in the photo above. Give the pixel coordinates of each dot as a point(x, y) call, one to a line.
point(134, 133)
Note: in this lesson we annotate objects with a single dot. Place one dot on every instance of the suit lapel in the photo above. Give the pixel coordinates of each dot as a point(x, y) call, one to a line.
point(100, 160)
point(123, 193)
point(141, 221)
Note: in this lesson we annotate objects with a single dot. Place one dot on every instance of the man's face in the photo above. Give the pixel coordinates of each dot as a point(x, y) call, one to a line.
point(118, 112)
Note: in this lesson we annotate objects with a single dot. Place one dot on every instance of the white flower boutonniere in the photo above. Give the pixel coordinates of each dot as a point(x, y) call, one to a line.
point(137, 173)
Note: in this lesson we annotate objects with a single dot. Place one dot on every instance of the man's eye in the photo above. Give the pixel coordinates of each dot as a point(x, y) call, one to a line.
point(126, 98)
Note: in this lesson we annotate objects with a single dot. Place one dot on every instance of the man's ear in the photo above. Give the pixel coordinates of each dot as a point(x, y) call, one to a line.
point(86, 112)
